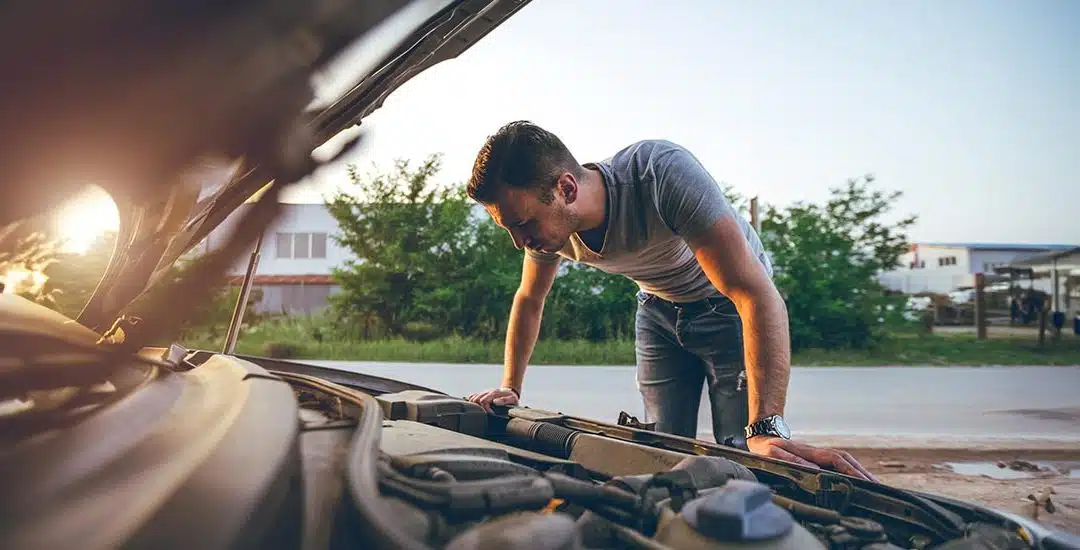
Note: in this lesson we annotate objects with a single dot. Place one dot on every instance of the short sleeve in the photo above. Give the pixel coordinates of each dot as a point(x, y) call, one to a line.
point(688, 198)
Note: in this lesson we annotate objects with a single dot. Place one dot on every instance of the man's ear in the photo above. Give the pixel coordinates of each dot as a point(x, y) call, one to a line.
point(567, 185)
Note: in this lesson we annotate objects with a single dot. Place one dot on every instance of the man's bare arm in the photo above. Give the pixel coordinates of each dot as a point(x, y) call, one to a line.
point(525, 315)
point(729, 263)
point(732, 267)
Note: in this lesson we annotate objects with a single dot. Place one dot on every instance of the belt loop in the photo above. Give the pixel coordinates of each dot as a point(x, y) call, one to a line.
point(643, 297)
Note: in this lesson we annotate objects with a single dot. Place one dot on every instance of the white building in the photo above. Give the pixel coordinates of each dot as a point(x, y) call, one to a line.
point(944, 267)
point(296, 259)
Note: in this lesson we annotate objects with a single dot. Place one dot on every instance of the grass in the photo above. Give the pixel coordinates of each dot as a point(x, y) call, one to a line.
point(904, 349)
point(950, 349)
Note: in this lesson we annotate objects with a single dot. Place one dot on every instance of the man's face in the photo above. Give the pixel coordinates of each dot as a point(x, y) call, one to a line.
point(532, 222)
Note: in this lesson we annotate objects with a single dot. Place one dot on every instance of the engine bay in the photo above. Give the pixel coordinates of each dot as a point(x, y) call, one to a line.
point(194, 449)
point(450, 475)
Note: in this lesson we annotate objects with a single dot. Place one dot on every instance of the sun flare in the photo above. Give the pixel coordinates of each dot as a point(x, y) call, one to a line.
point(85, 218)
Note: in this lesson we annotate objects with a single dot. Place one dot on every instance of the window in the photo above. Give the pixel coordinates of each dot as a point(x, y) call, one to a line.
point(946, 260)
point(318, 245)
point(301, 245)
point(284, 245)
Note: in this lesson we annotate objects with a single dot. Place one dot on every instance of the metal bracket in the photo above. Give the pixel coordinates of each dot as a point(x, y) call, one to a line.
point(630, 421)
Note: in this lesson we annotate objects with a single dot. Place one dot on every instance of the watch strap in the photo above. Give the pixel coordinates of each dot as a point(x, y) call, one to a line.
point(766, 426)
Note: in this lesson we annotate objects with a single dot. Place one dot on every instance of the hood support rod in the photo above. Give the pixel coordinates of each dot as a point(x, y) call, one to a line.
point(242, 300)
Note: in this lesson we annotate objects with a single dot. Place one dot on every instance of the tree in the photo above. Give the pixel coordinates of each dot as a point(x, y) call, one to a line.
point(826, 258)
point(588, 303)
point(478, 283)
point(406, 235)
point(430, 261)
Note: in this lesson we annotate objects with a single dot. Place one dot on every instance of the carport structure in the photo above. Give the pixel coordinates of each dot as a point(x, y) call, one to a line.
point(1063, 269)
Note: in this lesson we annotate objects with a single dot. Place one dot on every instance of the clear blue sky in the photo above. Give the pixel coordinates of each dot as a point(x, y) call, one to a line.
point(971, 108)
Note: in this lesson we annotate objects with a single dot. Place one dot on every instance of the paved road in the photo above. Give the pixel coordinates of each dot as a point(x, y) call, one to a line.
point(929, 402)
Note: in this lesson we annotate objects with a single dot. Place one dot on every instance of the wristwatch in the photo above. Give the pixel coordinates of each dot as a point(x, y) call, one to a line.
point(770, 425)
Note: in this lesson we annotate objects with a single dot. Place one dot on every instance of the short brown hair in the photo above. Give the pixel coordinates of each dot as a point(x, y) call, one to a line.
point(520, 154)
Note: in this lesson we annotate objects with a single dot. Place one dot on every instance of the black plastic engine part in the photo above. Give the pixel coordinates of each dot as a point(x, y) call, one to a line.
point(435, 409)
point(460, 467)
point(690, 476)
point(542, 437)
point(701, 472)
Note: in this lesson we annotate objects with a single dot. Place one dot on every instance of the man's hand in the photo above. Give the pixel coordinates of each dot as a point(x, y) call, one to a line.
point(808, 455)
point(503, 397)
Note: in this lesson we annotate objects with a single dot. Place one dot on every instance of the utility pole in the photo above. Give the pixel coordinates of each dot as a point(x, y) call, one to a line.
point(980, 306)
point(755, 215)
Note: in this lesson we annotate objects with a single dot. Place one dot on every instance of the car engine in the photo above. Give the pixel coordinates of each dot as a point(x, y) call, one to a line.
point(176, 448)
point(450, 475)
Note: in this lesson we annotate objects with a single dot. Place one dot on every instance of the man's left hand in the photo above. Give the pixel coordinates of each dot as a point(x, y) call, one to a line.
point(807, 455)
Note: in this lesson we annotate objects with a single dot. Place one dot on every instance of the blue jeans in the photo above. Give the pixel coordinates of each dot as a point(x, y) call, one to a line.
point(679, 347)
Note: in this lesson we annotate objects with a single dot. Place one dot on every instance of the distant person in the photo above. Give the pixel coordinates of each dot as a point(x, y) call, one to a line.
point(653, 214)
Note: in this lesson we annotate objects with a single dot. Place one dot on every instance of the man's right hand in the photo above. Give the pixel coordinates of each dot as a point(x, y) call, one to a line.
point(503, 397)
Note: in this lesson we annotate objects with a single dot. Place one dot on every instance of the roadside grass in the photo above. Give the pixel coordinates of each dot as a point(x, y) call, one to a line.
point(297, 338)
point(950, 349)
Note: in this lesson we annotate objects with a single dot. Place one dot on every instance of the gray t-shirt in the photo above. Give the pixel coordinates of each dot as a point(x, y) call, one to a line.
point(658, 194)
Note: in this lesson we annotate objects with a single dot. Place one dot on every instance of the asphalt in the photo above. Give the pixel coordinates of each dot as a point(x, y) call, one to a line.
point(949, 405)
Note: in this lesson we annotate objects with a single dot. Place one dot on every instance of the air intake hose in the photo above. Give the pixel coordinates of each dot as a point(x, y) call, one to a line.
point(542, 437)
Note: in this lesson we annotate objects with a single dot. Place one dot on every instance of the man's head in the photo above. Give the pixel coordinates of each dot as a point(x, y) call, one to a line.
point(528, 181)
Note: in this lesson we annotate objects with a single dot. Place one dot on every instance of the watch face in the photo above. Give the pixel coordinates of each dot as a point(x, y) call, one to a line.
point(781, 427)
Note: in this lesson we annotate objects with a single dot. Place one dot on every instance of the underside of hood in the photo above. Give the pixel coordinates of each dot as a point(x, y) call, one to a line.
point(135, 98)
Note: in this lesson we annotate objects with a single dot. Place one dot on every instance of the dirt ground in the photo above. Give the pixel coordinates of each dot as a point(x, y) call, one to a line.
point(929, 469)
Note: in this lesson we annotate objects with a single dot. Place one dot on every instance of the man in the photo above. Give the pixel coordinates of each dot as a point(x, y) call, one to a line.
point(652, 213)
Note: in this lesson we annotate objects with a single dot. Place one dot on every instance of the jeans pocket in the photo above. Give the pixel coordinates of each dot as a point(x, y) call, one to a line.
point(723, 307)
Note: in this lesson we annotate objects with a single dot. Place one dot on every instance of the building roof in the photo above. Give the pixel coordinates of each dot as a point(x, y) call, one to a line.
point(1000, 246)
point(1062, 258)
point(1066, 262)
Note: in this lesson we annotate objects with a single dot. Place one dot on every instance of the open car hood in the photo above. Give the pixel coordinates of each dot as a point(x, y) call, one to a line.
point(120, 112)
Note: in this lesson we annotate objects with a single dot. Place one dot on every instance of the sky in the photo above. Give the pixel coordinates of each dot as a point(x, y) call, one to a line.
point(970, 108)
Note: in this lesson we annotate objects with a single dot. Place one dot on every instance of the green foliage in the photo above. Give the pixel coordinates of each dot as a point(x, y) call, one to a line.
point(427, 264)
point(291, 337)
point(826, 258)
point(430, 264)
point(212, 318)
point(590, 304)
